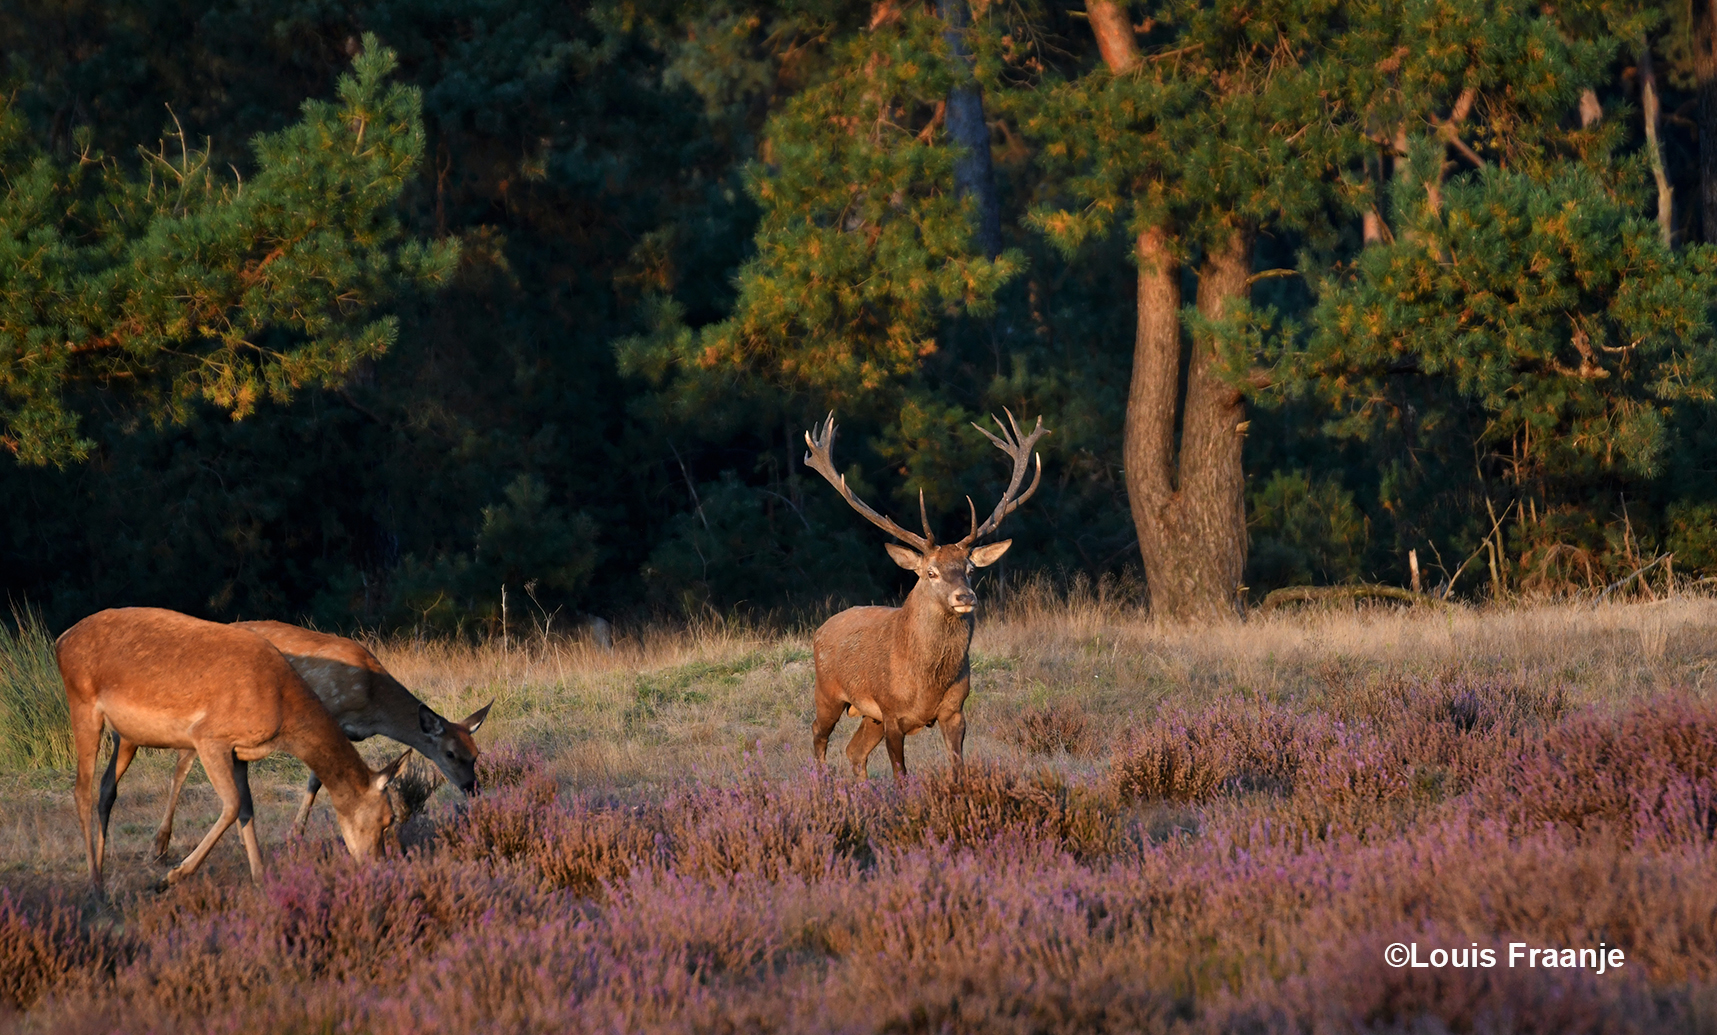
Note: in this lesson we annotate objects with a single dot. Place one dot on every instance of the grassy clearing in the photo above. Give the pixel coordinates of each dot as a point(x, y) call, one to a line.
point(1165, 829)
point(1080, 671)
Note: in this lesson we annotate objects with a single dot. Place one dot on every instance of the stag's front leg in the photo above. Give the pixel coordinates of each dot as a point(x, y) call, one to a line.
point(895, 737)
point(828, 714)
point(954, 734)
point(864, 741)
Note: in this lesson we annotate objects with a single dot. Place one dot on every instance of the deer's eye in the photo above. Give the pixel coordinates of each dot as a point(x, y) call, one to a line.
point(932, 574)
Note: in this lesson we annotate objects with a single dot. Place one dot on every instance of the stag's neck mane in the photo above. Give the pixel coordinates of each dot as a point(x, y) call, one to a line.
point(934, 635)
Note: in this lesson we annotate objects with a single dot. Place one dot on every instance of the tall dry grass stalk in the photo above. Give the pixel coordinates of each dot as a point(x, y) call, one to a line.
point(35, 730)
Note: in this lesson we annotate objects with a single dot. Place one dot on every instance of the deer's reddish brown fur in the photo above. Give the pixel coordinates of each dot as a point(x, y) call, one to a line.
point(366, 700)
point(905, 669)
point(162, 679)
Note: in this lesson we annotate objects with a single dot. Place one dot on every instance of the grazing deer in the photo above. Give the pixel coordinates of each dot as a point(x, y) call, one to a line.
point(365, 700)
point(163, 679)
point(905, 668)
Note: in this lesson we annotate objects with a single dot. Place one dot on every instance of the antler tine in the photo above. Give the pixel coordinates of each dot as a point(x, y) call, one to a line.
point(821, 460)
point(924, 519)
point(1019, 448)
point(973, 507)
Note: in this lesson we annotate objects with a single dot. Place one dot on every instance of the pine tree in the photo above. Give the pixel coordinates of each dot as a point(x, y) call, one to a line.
point(173, 282)
point(1219, 129)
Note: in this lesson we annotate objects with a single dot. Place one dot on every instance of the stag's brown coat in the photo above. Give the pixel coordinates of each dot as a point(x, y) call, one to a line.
point(905, 669)
point(163, 679)
point(365, 700)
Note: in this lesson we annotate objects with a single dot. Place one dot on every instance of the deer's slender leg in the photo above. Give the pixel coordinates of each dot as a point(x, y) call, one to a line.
point(303, 816)
point(895, 738)
point(865, 740)
point(217, 762)
point(247, 819)
point(123, 752)
point(954, 733)
point(828, 714)
point(86, 736)
point(164, 836)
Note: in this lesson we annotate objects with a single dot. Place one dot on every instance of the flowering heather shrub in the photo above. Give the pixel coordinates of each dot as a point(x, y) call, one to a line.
point(1649, 773)
point(982, 900)
point(1061, 726)
point(978, 804)
point(42, 946)
point(1232, 746)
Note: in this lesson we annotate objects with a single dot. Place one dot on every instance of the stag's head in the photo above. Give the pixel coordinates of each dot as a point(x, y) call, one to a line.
point(944, 571)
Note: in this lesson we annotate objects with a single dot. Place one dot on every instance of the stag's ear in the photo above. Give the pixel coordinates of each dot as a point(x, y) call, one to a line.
point(911, 560)
point(984, 556)
point(475, 719)
point(392, 769)
point(429, 722)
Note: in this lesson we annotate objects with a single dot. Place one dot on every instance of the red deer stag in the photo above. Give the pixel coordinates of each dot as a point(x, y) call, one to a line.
point(163, 679)
point(365, 700)
point(905, 668)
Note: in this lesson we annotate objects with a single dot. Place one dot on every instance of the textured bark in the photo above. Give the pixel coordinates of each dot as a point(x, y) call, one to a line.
point(1187, 503)
point(1705, 71)
point(973, 172)
point(1651, 113)
point(1114, 34)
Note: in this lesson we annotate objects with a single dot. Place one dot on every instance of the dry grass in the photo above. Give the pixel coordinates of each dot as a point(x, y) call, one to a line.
point(665, 705)
point(1251, 814)
point(714, 701)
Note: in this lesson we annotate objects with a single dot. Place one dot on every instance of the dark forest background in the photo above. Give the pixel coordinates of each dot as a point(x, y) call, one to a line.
point(598, 401)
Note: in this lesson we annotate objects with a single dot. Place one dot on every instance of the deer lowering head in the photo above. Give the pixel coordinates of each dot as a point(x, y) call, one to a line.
point(905, 668)
point(162, 679)
point(365, 700)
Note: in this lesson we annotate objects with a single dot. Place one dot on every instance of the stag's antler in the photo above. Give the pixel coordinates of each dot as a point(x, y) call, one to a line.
point(1019, 447)
point(819, 459)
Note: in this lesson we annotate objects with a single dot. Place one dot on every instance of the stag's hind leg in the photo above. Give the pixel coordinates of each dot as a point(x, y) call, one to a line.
point(864, 741)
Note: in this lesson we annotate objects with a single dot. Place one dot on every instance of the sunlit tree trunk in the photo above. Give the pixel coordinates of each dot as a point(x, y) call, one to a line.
point(1186, 497)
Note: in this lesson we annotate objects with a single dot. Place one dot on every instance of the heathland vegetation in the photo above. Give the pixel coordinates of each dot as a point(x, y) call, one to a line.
point(1163, 828)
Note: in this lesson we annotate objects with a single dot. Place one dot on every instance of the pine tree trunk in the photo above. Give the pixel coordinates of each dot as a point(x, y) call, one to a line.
point(1189, 514)
point(973, 173)
point(1705, 71)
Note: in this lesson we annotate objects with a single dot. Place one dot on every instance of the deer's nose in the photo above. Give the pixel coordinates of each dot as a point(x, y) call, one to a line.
point(962, 600)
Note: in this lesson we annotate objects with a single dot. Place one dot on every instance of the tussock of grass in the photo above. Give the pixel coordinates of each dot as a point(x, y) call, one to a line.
point(35, 731)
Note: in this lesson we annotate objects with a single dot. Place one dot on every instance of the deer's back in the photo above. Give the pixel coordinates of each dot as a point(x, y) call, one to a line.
point(343, 675)
point(165, 679)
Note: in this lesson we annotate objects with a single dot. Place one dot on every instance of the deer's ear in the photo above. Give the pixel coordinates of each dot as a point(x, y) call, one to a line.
point(475, 719)
point(387, 774)
point(911, 560)
point(429, 722)
point(984, 556)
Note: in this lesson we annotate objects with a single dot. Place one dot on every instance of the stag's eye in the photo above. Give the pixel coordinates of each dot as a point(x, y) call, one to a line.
point(932, 574)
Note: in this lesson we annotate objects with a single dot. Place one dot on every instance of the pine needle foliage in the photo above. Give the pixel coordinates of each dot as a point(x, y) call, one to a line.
point(175, 282)
point(863, 247)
